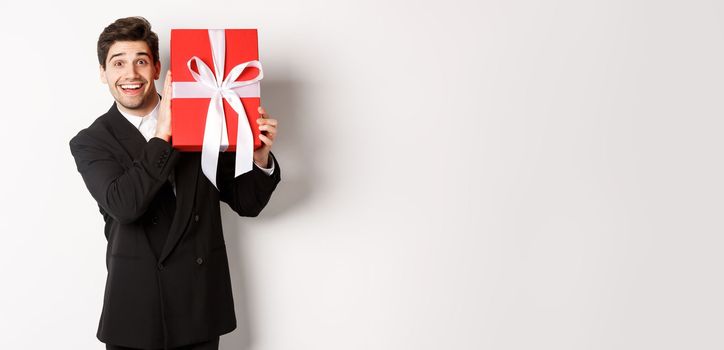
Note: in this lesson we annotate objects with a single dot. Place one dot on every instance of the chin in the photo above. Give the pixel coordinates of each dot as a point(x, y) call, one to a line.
point(131, 102)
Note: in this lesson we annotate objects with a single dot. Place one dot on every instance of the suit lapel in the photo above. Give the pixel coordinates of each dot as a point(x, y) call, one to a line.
point(129, 137)
point(187, 171)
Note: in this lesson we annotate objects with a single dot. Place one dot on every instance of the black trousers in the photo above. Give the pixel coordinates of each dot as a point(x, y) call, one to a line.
point(212, 344)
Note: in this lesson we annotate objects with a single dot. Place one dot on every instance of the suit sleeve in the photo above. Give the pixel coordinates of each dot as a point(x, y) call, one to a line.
point(124, 194)
point(249, 193)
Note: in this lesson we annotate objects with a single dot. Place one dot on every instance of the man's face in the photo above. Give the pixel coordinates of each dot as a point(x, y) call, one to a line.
point(130, 73)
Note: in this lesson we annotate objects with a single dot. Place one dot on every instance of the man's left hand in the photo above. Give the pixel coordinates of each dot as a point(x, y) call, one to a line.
point(267, 134)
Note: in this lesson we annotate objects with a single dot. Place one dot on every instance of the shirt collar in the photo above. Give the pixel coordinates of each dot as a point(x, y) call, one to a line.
point(136, 120)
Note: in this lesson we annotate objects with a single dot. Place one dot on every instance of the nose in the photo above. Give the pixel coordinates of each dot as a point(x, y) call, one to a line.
point(131, 72)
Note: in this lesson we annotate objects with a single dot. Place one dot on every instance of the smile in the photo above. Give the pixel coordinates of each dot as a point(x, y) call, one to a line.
point(131, 89)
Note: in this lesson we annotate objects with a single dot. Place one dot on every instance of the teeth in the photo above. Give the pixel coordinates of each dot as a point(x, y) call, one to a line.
point(131, 86)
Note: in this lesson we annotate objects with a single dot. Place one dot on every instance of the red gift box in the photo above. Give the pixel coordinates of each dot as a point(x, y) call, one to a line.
point(189, 114)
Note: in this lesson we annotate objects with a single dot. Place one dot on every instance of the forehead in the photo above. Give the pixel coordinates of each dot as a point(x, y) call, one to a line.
point(128, 49)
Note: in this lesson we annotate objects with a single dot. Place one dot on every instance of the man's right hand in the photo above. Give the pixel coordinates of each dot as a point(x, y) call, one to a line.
point(163, 124)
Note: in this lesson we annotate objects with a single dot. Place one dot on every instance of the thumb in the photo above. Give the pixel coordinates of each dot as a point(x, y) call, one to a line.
point(167, 85)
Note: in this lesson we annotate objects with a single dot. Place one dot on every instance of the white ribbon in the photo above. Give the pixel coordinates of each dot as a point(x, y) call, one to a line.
point(216, 87)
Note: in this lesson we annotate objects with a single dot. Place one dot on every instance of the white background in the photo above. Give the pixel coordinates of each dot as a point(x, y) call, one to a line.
point(456, 174)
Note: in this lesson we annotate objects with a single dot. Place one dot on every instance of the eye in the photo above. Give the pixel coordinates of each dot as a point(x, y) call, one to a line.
point(142, 61)
point(117, 63)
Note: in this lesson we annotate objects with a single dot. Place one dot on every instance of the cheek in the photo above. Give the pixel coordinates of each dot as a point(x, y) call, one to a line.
point(111, 78)
point(152, 75)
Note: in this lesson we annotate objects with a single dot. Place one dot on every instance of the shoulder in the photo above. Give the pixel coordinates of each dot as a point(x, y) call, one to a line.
point(96, 134)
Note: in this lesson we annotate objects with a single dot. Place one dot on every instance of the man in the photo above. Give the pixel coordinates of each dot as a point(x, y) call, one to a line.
point(168, 283)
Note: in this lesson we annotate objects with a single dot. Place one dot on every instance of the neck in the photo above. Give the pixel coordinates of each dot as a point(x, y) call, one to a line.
point(141, 111)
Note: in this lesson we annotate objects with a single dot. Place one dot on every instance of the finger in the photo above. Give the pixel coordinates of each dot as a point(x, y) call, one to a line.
point(261, 111)
point(267, 141)
point(167, 84)
point(270, 130)
point(262, 121)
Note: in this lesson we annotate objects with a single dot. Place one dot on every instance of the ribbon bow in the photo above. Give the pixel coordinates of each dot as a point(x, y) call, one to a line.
point(219, 88)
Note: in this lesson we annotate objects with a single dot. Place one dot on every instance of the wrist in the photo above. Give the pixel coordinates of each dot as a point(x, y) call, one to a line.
point(164, 137)
point(263, 163)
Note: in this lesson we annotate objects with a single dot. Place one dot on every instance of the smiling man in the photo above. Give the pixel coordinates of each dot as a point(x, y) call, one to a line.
point(132, 91)
point(168, 283)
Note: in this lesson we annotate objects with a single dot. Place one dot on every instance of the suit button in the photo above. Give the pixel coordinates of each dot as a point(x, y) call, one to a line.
point(160, 267)
point(199, 261)
point(155, 220)
point(196, 218)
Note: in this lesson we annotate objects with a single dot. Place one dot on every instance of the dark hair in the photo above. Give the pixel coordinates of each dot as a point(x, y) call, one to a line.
point(127, 29)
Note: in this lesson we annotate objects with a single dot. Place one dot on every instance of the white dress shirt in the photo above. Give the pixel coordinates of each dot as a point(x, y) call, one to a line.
point(147, 126)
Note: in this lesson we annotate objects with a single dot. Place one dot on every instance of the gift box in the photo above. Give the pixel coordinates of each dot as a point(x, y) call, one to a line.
point(189, 113)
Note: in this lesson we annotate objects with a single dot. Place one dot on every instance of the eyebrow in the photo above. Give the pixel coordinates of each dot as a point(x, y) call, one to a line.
point(140, 53)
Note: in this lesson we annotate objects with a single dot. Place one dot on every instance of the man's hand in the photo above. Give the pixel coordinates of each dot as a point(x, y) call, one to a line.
point(163, 124)
point(268, 132)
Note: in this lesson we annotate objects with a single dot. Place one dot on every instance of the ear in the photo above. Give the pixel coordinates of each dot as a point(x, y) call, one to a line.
point(158, 70)
point(103, 75)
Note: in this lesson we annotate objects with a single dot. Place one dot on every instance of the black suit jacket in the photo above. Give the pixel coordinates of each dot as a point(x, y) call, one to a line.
point(168, 280)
